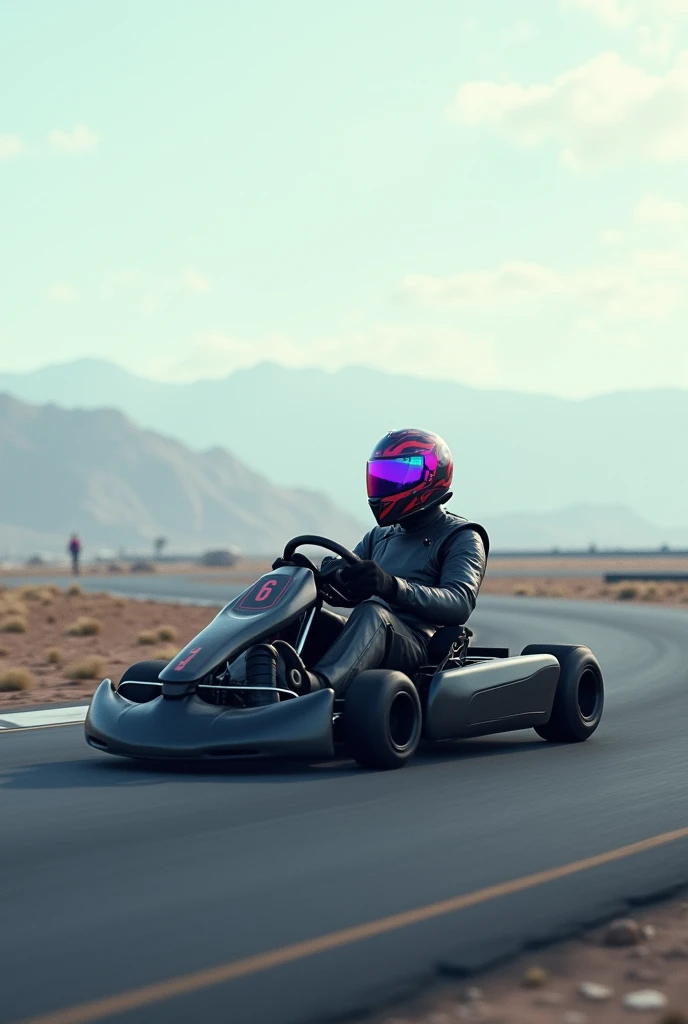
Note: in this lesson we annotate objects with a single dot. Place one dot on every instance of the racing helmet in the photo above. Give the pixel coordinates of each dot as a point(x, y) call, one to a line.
point(408, 470)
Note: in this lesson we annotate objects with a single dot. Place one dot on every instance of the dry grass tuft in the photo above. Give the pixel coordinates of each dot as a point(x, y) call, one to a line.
point(54, 656)
point(30, 593)
point(14, 679)
point(14, 624)
point(84, 626)
point(10, 604)
point(4, 651)
point(50, 619)
point(627, 594)
point(147, 637)
point(87, 668)
point(167, 633)
point(74, 590)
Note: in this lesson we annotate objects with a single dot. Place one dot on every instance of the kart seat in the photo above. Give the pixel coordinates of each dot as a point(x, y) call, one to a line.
point(440, 644)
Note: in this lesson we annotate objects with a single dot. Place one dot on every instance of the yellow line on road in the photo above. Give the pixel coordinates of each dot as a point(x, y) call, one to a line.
point(146, 995)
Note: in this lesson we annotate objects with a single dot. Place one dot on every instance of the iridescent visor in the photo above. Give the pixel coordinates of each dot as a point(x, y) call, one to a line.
point(391, 476)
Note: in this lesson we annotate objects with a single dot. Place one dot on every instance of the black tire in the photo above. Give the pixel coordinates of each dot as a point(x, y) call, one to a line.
point(142, 672)
point(382, 720)
point(145, 671)
point(579, 697)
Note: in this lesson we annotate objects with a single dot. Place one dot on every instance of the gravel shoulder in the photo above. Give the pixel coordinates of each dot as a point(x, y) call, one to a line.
point(634, 969)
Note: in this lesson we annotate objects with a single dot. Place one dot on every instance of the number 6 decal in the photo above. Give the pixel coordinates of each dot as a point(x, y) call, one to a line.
point(265, 591)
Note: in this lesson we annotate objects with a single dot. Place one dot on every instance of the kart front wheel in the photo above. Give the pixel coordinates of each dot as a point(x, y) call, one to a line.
point(579, 697)
point(382, 720)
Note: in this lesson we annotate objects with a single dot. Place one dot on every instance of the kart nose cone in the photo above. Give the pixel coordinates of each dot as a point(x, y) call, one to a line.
point(191, 729)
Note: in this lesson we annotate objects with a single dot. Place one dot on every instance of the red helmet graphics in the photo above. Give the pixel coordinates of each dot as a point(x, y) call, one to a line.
point(408, 470)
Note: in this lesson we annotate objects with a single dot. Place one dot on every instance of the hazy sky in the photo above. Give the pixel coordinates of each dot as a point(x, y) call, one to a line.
point(491, 191)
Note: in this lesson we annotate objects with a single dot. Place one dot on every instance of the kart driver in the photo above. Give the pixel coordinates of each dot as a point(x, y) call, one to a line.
point(421, 568)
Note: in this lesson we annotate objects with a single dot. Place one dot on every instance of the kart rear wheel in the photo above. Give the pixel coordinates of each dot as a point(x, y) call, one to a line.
point(579, 697)
point(382, 720)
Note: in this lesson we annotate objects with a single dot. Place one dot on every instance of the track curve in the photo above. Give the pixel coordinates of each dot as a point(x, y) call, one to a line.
point(112, 877)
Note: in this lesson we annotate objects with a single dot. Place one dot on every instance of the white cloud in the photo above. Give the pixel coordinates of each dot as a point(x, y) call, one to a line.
point(657, 211)
point(521, 32)
point(655, 24)
point(602, 113)
point(10, 146)
point(216, 354)
point(79, 140)
point(612, 237)
point(647, 285)
point(613, 13)
point(509, 284)
point(62, 293)
point(196, 283)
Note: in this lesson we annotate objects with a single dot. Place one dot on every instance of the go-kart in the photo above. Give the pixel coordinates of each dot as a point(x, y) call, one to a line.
point(203, 704)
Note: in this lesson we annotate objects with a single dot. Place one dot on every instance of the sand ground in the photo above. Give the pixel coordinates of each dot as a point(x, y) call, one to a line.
point(121, 625)
point(546, 989)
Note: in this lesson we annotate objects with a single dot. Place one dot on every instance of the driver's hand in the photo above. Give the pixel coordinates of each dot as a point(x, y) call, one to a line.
point(366, 579)
point(330, 567)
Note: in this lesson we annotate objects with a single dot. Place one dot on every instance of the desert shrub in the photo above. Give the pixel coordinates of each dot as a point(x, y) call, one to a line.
point(12, 679)
point(524, 592)
point(30, 593)
point(53, 656)
point(4, 652)
point(50, 619)
point(167, 633)
point(74, 590)
point(84, 626)
point(11, 604)
point(165, 653)
point(147, 637)
point(627, 593)
point(86, 668)
point(142, 565)
point(14, 624)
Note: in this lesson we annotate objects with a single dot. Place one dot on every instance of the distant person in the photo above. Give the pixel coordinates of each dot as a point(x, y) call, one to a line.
point(74, 548)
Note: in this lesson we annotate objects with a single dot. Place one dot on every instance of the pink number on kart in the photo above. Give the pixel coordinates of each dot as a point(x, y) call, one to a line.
point(265, 591)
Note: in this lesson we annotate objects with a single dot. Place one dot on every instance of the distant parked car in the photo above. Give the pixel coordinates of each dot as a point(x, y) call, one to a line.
point(221, 558)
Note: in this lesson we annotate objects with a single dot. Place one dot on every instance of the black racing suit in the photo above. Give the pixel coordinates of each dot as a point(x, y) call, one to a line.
point(438, 560)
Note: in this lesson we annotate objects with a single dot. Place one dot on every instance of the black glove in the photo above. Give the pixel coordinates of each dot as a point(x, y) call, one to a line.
point(366, 579)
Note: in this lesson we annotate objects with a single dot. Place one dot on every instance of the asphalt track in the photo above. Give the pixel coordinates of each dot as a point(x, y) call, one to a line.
point(116, 881)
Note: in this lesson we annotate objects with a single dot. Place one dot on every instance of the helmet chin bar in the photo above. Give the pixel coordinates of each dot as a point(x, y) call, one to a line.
point(375, 504)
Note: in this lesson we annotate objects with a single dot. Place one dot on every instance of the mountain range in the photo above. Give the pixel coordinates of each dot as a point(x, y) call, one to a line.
point(314, 429)
point(118, 485)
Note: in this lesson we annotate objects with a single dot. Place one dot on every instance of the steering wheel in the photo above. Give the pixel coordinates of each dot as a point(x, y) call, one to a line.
point(327, 590)
point(320, 542)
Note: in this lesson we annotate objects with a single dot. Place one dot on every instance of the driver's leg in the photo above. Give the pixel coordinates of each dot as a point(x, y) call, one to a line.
point(373, 638)
point(326, 628)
